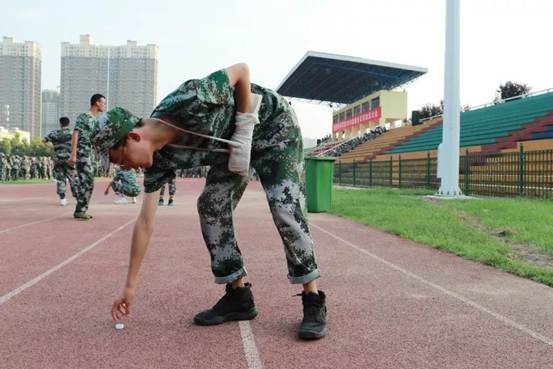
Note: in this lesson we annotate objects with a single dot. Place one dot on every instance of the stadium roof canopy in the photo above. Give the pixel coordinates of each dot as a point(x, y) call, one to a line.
point(343, 79)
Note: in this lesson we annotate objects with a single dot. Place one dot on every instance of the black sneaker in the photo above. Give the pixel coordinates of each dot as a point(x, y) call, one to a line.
point(313, 325)
point(170, 202)
point(82, 216)
point(236, 304)
point(160, 202)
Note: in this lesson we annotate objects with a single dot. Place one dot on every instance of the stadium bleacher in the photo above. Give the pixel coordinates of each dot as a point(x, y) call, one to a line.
point(494, 128)
point(387, 140)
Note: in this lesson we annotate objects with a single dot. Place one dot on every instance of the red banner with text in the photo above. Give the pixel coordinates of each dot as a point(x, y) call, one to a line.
point(372, 114)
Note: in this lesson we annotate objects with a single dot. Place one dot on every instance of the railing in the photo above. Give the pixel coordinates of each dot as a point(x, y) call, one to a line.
point(510, 174)
point(493, 103)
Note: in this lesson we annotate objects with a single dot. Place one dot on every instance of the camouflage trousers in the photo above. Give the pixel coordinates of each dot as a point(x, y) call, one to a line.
point(84, 184)
point(125, 188)
point(62, 174)
point(280, 167)
point(172, 188)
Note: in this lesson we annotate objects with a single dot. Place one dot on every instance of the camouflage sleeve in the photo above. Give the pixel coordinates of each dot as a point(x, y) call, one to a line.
point(81, 123)
point(48, 137)
point(197, 98)
point(117, 176)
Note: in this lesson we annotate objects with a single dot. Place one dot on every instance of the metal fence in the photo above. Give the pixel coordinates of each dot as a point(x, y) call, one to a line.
point(511, 174)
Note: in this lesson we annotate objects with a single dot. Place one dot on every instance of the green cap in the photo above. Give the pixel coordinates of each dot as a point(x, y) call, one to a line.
point(112, 127)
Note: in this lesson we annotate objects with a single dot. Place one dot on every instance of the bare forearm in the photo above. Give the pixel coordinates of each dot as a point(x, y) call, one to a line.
point(74, 140)
point(239, 77)
point(143, 229)
point(140, 239)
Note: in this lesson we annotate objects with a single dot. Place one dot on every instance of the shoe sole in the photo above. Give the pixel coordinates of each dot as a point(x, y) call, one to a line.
point(83, 219)
point(312, 335)
point(249, 315)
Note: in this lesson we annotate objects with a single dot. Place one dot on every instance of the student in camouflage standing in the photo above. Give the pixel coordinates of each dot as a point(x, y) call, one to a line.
point(220, 107)
point(81, 155)
point(124, 184)
point(63, 172)
point(172, 185)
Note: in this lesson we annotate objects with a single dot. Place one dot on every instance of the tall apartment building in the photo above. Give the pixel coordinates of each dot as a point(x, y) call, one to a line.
point(126, 75)
point(50, 111)
point(20, 76)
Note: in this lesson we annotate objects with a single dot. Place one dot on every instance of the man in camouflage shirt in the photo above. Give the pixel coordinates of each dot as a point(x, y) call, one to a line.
point(82, 155)
point(124, 184)
point(168, 140)
point(63, 172)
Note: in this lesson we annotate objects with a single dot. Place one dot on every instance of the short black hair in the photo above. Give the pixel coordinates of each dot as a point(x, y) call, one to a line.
point(94, 99)
point(123, 141)
point(64, 121)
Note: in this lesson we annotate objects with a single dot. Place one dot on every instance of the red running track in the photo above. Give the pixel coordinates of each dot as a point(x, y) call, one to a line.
point(392, 303)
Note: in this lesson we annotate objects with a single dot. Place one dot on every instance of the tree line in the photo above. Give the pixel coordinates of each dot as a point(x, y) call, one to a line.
point(16, 146)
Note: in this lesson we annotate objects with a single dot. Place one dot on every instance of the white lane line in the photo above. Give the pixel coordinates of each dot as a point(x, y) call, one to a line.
point(37, 279)
point(250, 349)
point(20, 199)
point(28, 224)
point(503, 319)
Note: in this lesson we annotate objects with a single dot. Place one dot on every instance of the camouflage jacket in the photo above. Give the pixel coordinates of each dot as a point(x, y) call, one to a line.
point(86, 125)
point(127, 177)
point(61, 139)
point(207, 106)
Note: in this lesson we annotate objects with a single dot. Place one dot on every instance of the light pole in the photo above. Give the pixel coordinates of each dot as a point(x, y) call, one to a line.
point(448, 152)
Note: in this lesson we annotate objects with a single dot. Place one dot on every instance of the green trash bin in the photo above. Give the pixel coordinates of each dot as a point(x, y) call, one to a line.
point(319, 174)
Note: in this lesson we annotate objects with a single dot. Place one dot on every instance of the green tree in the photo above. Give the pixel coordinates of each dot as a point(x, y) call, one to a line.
point(39, 148)
point(5, 146)
point(430, 110)
point(511, 89)
point(19, 147)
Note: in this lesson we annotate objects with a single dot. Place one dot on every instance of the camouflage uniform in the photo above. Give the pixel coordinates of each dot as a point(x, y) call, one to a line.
point(207, 106)
point(26, 167)
point(15, 163)
point(172, 188)
point(84, 178)
point(3, 167)
point(63, 172)
point(124, 183)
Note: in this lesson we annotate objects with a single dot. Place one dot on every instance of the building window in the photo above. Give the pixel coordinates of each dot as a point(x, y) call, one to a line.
point(375, 103)
point(335, 119)
point(357, 110)
point(365, 107)
point(342, 116)
point(349, 114)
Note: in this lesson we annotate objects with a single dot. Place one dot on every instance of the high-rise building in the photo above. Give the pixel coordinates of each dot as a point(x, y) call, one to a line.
point(126, 75)
point(133, 77)
point(84, 72)
point(50, 111)
point(20, 74)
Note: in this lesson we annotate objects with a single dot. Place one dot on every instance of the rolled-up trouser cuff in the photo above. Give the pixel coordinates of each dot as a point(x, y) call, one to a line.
point(232, 277)
point(305, 278)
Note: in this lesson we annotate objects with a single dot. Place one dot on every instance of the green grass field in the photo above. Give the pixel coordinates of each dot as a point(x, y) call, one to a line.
point(515, 235)
point(25, 181)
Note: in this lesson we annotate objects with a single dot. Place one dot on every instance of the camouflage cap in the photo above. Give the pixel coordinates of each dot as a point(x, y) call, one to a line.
point(112, 127)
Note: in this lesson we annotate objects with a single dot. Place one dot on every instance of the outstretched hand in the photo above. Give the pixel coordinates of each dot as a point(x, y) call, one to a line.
point(122, 306)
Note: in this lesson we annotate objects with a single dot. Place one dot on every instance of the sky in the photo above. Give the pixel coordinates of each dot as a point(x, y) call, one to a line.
point(501, 40)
